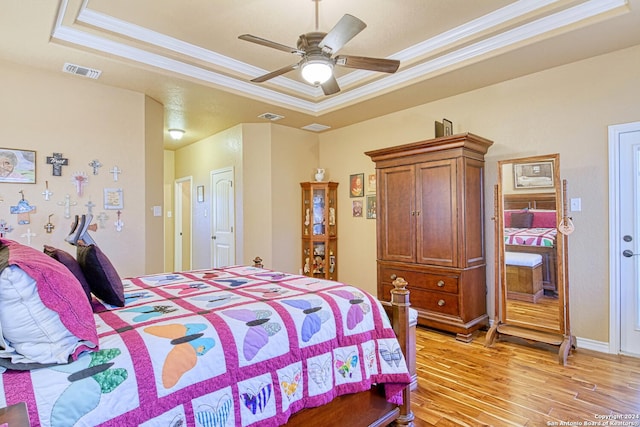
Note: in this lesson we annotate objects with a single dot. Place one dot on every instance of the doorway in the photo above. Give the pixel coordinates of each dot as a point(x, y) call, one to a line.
point(624, 234)
point(182, 238)
point(223, 252)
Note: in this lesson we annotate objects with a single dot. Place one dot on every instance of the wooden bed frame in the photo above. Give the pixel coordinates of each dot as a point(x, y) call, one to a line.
point(549, 254)
point(370, 408)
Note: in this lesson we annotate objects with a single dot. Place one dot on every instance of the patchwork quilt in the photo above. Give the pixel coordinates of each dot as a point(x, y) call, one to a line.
point(237, 346)
point(531, 236)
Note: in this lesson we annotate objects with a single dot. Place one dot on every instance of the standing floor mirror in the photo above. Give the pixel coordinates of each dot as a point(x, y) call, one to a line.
point(532, 299)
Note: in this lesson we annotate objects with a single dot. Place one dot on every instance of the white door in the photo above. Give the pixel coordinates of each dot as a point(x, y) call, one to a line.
point(222, 218)
point(182, 245)
point(626, 237)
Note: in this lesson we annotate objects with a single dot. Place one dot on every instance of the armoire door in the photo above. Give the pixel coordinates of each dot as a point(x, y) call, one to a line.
point(396, 214)
point(436, 214)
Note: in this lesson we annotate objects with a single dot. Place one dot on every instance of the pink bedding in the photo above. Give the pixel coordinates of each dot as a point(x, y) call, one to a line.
point(530, 236)
point(236, 346)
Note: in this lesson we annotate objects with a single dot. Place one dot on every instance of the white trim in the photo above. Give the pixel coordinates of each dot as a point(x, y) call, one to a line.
point(615, 248)
point(588, 344)
point(447, 40)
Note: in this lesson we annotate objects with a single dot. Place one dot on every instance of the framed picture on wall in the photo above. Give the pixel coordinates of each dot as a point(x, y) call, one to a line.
point(200, 193)
point(113, 198)
point(356, 208)
point(533, 175)
point(356, 184)
point(371, 206)
point(17, 166)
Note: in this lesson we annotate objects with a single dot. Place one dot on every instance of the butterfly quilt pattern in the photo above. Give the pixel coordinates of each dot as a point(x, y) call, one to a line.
point(238, 346)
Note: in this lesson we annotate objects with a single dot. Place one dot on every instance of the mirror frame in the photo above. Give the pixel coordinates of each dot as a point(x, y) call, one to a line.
point(560, 263)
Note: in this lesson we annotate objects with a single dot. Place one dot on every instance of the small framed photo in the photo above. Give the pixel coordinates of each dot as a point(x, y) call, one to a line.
point(447, 127)
point(533, 175)
point(357, 208)
point(200, 193)
point(356, 185)
point(17, 166)
point(113, 198)
point(371, 207)
point(371, 183)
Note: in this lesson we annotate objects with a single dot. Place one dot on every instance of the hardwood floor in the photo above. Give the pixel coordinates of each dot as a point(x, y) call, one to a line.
point(517, 384)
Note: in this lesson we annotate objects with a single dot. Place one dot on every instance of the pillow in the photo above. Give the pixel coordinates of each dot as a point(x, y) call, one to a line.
point(44, 313)
point(71, 263)
point(521, 219)
point(103, 279)
point(543, 219)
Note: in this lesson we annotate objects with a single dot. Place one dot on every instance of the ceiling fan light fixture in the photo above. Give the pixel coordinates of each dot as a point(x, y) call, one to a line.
point(317, 70)
point(176, 134)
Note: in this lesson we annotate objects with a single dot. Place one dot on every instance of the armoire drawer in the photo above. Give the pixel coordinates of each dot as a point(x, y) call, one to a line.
point(439, 302)
point(420, 280)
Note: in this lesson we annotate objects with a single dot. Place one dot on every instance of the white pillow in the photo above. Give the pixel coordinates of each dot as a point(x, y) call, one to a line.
point(29, 331)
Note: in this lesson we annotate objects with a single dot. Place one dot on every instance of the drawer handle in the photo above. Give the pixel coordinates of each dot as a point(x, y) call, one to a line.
point(441, 303)
point(394, 276)
point(440, 283)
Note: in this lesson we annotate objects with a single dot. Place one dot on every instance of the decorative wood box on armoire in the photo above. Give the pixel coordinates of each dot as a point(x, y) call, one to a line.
point(430, 229)
point(320, 229)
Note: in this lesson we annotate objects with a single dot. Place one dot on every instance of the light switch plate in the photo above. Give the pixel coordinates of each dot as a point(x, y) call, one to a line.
point(576, 204)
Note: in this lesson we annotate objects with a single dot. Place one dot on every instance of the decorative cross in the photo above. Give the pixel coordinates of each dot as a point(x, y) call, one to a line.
point(80, 179)
point(115, 171)
point(67, 205)
point(90, 206)
point(57, 161)
point(4, 228)
point(95, 164)
point(102, 218)
point(49, 226)
point(119, 224)
point(28, 235)
point(46, 193)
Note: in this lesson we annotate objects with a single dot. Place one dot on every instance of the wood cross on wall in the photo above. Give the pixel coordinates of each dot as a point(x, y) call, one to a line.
point(57, 161)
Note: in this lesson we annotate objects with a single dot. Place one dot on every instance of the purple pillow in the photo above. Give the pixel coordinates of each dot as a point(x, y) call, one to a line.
point(103, 279)
point(521, 220)
point(58, 289)
point(71, 263)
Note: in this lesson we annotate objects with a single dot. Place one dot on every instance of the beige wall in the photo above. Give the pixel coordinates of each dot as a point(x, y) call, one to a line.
point(564, 110)
point(84, 120)
point(269, 161)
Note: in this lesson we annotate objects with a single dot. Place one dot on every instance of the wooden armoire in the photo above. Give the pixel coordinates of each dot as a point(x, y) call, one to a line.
point(430, 229)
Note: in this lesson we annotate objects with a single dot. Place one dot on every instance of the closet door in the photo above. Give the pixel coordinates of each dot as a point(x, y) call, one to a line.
point(437, 213)
point(396, 214)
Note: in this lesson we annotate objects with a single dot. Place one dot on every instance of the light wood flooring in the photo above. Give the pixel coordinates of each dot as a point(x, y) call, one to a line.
point(517, 384)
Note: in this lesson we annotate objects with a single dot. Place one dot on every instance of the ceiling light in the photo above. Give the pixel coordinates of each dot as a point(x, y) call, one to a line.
point(317, 69)
point(176, 134)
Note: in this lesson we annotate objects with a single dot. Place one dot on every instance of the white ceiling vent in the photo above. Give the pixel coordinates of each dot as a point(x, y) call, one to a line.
point(271, 116)
point(92, 73)
point(315, 127)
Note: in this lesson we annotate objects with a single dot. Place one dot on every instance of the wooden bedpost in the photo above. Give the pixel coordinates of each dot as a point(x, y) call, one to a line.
point(400, 319)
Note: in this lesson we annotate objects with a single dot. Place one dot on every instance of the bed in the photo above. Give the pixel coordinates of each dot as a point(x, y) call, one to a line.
point(242, 345)
point(530, 227)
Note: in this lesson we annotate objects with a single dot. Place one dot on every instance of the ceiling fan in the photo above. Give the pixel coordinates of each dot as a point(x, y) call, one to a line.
point(317, 50)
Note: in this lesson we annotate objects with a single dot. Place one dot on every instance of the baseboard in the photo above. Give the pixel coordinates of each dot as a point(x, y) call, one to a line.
point(587, 344)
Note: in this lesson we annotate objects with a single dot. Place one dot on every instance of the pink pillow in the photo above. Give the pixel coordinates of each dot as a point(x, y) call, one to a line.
point(544, 219)
point(58, 289)
point(71, 263)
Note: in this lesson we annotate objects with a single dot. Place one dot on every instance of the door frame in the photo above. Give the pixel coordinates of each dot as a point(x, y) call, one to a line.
point(178, 210)
point(615, 246)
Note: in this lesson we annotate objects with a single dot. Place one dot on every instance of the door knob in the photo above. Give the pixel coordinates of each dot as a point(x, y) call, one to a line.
point(627, 238)
point(627, 253)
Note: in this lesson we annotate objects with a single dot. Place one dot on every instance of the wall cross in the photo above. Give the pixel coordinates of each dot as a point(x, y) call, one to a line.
point(57, 161)
point(115, 171)
point(95, 164)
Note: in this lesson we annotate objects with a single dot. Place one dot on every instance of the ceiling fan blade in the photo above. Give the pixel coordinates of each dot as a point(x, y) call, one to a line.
point(275, 73)
point(330, 86)
point(365, 63)
point(269, 43)
point(347, 28)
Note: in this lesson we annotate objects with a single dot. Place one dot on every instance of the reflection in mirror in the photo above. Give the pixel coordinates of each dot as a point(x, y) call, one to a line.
point(531, 262)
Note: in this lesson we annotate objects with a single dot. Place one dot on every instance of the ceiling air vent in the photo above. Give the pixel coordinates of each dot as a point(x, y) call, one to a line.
point(92, 73)
point(315, 127)
point(271, 116)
